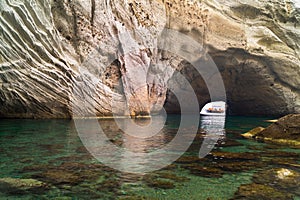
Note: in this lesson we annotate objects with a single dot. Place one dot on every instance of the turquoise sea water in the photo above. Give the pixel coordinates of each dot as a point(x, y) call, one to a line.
point(51, 151)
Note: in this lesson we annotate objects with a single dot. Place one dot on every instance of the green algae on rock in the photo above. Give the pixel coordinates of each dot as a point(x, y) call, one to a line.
point(21, 186)
point(164, 180)
point(204, 171)
point(262, 192)
point(271, 184)
point(280, 178)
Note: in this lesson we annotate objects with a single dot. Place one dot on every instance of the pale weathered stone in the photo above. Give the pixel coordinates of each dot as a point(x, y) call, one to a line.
point(285, 131)
point(252, 133)
point(59, 58)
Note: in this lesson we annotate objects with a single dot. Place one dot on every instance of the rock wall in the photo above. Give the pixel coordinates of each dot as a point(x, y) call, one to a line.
point(254, 44)
point(59, 58)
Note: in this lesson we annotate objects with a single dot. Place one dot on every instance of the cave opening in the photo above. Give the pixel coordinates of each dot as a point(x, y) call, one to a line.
point(251, 87)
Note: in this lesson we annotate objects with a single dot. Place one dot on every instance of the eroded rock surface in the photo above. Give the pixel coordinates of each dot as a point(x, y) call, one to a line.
point(59, 58)
point(284, 131)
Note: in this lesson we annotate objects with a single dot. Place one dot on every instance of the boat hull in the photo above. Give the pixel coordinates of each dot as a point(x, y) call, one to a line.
point(217, 108)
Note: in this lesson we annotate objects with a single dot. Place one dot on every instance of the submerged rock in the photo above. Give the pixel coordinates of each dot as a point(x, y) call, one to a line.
point(236, 162)
point(188, 159)
point(68, 173)
point(204, 171)
point(281, 179)
point(57, 177)
point(262, 192)
point(240, 166)
point(281, 154)
point(22, 186)
point(279, 183)
point(162, 184)
point(164, 180)
point(157, 182)
point(218, 163)
point(283, 159)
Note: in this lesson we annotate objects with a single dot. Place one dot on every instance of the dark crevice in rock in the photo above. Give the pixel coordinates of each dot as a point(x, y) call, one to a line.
point(75, 31)
point(93, 7)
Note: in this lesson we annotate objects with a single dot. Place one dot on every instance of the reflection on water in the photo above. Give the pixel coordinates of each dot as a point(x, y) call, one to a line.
point(214, 128)
point(50, 151)
point(129, 148)
point(138, 148)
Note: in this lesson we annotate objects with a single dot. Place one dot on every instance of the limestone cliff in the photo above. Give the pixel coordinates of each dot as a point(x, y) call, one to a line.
point(53, 53)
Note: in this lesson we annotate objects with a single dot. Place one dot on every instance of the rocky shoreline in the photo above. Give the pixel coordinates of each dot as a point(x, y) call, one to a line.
point(285, 131)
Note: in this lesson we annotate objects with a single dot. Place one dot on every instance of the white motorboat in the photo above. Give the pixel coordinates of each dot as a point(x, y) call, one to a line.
point(216, 108)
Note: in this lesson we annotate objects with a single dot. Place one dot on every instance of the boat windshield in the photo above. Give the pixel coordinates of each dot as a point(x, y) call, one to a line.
point(215, 110)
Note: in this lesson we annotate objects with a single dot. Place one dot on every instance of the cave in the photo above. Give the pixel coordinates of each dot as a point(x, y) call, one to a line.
point(251, 87)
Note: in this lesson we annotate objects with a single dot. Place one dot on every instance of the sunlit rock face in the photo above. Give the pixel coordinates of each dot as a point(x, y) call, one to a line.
point(254, 44)
point(65, 58)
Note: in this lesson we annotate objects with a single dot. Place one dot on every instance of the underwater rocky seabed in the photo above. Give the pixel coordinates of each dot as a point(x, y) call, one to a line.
point(45, 159)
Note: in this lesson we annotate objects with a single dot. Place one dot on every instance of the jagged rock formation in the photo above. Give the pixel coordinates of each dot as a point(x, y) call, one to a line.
point(57, 55)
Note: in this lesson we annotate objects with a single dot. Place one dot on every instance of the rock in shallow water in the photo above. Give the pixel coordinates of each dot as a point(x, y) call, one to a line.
point(54, 53)
point(22, 186)
point(287, 127)
point(285, 131)
point(263, 192)
point(280, 183)
point(281, 179)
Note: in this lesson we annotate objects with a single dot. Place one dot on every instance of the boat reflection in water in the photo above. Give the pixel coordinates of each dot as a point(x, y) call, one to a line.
point(137, 145)
point(214, 127)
